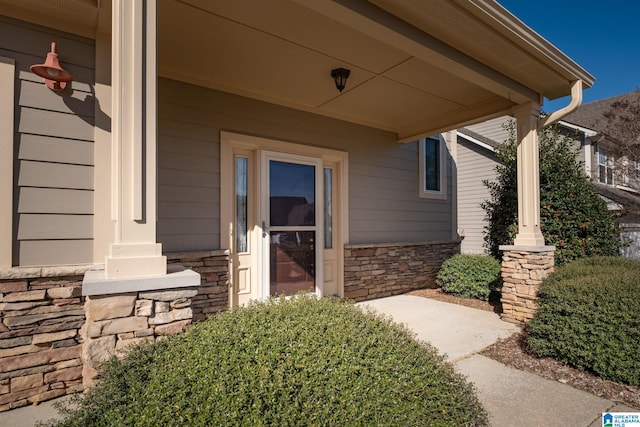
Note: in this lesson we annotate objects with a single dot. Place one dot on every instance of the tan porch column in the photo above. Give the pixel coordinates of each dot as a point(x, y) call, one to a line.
point(528, 261)
point(134, 251)
point(529, 233)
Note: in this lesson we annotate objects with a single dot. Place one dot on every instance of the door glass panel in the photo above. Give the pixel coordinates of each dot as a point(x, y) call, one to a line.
point(328, 217)
point(291, 194)
point(241, 204)
point(293, 259)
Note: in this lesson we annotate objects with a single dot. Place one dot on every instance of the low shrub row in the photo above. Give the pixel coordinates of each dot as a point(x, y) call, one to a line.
point(589, 318)
point(295, 362)
point(470, 276)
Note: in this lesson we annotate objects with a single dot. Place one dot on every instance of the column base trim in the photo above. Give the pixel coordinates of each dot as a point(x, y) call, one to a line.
point(95, 283)
point(526, 248)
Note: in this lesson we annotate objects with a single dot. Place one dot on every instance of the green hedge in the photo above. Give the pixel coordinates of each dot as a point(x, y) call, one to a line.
point(470, 276)
point(292, 362)
point(589, 318)
point(573, 217)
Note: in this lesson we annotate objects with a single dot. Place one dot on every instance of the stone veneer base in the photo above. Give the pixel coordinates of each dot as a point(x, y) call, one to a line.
point(523, 270)
point(380, 270)
point(46, 333)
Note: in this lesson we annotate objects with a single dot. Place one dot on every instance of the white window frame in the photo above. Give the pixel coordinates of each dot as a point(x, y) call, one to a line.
point(423, 192)
point(608, 165)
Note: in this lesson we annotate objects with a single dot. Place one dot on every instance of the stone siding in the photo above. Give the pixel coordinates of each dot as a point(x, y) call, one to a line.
point(115, 322)
point(45, 334)
point(40, 344)
point(380, 270)
point(213, 293)
point(523, 271)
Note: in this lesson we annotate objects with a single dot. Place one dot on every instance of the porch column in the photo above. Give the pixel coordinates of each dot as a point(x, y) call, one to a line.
point(134, 251)
point(529, 233)
point(528, 261)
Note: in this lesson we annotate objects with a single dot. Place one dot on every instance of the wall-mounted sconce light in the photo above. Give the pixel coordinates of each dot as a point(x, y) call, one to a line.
point(340, 76)
point(55, 77)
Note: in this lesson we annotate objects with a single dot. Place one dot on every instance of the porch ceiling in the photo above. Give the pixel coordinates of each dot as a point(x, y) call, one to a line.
point(417, 67)
point(282, 52)
point(403, 78)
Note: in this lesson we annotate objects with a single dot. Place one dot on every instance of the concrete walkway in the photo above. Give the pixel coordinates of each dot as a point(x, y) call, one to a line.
point(512, 397)
point(28, 416)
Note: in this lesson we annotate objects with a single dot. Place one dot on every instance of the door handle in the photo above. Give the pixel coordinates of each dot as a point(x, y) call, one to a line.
point(264, 229)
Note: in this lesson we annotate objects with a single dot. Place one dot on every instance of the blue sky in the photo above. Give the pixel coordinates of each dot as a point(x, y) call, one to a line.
point(602, 36)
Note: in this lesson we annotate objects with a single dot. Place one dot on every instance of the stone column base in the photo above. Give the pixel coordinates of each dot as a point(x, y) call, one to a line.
point(523, 270)
point(117, 321)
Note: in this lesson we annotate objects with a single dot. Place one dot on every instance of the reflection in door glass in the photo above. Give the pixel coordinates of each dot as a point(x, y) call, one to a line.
point(293, 257)
point(241, 204)
point(291, 194)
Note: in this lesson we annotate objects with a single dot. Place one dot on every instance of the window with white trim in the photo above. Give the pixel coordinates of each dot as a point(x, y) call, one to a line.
point(432, 168)
point(605, 166)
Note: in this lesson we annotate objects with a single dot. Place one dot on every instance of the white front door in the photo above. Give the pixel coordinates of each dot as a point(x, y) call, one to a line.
point(283, 217)
point(292, 224)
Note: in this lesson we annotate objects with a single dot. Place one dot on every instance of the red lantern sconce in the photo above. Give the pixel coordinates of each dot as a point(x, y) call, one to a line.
point(55, 77)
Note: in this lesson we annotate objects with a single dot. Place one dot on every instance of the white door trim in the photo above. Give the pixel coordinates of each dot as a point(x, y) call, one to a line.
point(316, 162)
point(231, 142)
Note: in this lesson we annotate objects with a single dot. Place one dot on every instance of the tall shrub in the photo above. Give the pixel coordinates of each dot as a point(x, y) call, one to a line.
point(574, 218)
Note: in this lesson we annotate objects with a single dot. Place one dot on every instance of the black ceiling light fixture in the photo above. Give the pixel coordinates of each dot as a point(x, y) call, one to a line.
point(340, 76)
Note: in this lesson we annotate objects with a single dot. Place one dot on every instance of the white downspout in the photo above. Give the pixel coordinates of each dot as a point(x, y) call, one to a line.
point(576, 99)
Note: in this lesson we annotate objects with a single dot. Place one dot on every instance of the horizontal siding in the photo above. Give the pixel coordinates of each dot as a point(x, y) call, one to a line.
point(493, 129)
point(383, 175)
point(75, 103)
point(475, 164)
point(192, 210)
point(46, 226)
point(53, 200)
point(55, 252)
point(53, 123)
point(53, 148)
point(58, 150)
point(55, 175)
point(179, 194)
point(188, 226)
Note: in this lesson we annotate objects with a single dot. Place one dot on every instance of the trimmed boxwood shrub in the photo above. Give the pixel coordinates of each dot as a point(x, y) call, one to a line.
point(470, 276)
point(295, 362)
point(589, 318)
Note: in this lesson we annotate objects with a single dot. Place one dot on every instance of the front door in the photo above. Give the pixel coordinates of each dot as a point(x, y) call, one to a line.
point(283, 217)
point(291, 212)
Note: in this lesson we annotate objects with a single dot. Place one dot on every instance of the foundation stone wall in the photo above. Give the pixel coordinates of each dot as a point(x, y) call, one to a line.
point(52, 339)
point(115, 322)
point(41, 314)
point(380, 270)
point(213, 293)
point(118, 321)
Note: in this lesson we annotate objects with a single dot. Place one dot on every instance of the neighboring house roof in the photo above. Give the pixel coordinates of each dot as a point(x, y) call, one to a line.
point(592, 115)
point(478, 139)
point(629, 204)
